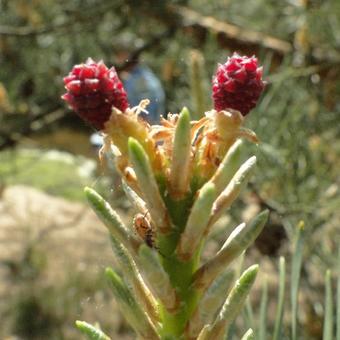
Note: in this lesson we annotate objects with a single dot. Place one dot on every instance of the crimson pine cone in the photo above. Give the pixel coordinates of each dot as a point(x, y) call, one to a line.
point(92, 90)
point(237, 84)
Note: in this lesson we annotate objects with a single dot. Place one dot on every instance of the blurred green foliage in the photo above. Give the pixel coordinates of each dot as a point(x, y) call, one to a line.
point(59, 174)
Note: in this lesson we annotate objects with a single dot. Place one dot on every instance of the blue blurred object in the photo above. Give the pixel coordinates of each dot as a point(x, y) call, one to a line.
point(141, 83)
point(96, 140)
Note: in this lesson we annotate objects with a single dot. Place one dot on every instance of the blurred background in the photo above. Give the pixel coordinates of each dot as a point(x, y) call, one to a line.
point(52, 248)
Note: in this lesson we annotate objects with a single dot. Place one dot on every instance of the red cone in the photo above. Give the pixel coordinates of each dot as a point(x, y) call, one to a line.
point(237, 84)
point(92, 90)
